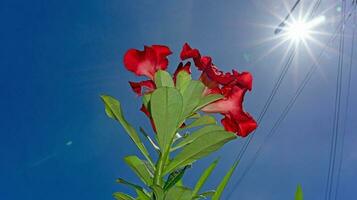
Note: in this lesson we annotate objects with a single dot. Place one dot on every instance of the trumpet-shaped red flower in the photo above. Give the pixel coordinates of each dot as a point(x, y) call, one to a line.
point(147, 62)
point(231, 106)
point(211, 74)
point(232, 86)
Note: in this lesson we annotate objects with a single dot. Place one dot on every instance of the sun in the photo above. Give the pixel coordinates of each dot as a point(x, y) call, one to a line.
point(301, 30)
point(297, 31)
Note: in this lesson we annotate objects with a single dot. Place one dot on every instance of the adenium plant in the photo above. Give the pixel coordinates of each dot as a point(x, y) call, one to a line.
point(180, 110)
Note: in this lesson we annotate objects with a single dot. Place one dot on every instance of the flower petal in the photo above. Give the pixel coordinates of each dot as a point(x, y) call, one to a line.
point(138, 87)
point(187, 52)
point(231, 106)
point(147, 62)
point(232, 101)
point(181, 67)
point(244, 79)
point(242, 126)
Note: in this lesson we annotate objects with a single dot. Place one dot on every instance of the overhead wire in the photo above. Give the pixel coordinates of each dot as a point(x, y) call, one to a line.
point(337, 110)
point(286, 109)
point(277, 84)
point(346, 108)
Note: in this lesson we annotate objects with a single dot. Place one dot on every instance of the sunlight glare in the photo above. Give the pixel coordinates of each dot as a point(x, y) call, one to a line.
point(300, 30)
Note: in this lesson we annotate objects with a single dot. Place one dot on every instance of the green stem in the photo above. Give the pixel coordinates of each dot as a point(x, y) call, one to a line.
point(160, 167)
point(163, 158)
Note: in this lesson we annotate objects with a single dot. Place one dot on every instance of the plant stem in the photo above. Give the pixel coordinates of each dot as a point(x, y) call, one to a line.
point(160, 167)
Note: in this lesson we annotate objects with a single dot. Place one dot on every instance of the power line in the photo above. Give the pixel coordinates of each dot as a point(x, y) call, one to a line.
point(354, 4)
point(277, 84)
point(283, 23)
point(286, 109)
point(337, 108)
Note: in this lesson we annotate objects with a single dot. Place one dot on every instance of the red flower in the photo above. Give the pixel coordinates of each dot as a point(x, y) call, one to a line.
point(231, 106)
point(232, 86)
point(139, 86)
point(147, 62)
point(210, 72)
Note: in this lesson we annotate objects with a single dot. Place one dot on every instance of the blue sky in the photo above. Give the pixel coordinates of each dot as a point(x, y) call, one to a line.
point(57, 57)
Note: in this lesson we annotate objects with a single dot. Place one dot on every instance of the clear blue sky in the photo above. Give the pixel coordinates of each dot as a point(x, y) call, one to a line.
point(57, 57)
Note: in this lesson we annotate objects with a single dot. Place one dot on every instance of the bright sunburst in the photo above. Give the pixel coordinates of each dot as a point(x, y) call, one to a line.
point(301, 30)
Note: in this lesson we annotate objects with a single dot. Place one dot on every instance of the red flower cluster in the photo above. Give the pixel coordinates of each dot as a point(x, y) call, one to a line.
point(232, 86)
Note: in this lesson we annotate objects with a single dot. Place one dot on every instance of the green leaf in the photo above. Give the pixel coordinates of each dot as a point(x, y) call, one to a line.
point(146, 100)
point(194, 116)
point(174, 177)
point(159, 193)
point(114, 111)
point(142, 194)
point(224, 182)
point(299, 194)
point(191, 97)
point(207, 100)
point(182, 80)
point(140, 169)
point(178, 193)
point(190, 138)
point(166, 108)
point(134, 186)
point(122, 196)
point(200, 147)
point(204, 120)
point(205, 195)
point(204, 178)
point(163, 79)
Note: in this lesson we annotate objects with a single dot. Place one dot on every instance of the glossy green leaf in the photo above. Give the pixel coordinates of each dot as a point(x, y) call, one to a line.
point(200, 147)
point(193, 136)
point(140, 169)
point(299, 194)
point(163, 79)
point(178, 193)
point(191, 97)
point(207, 100)
point(174, 177)
point(122, 196)
point(114, 111)
point(204, 120)
point(224, 182)
point(166, 108)
point(182, 80)
point(204, 178)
